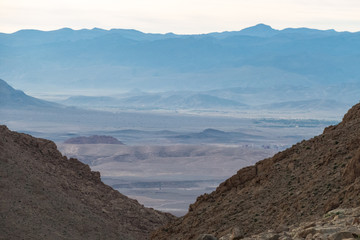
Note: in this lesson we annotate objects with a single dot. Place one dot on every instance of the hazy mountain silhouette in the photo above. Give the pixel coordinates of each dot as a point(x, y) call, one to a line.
point(258, 57)
point(15, 99)
point(164, 100)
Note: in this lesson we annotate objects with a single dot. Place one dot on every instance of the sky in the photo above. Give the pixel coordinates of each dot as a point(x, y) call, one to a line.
point(178, 16)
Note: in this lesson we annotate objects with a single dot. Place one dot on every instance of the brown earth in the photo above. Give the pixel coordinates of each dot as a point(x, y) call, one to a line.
point(47, 196)
point(335, 225)
point(299, 184)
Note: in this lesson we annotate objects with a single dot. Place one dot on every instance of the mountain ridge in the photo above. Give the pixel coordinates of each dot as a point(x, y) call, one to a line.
point(12, 98)
point(261, 27)
point(47, 196)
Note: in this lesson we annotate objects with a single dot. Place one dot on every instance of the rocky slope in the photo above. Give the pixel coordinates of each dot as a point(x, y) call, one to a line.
point(334, 225)
point(47, 196)
point(297, 185)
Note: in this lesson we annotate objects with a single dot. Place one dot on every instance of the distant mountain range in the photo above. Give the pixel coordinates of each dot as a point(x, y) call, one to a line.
point(220, 101)
point(164, 100)
point(17, 99)
point(293, 64)
point(256, 68)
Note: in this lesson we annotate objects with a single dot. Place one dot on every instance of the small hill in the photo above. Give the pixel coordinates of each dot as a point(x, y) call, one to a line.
point(95, 139)
point(215, 136)
point(299, 184)
point(45, 195)
point(11, 98)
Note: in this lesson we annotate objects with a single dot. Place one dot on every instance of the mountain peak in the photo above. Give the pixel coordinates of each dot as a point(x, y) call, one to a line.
point(259, 30)
point(262, 26)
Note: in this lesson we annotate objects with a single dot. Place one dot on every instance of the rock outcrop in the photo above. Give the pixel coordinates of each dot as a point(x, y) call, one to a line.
point(44, 195)
point(297, 185)
point(335, 225)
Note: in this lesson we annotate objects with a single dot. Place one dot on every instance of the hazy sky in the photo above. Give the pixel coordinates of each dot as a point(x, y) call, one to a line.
point(179, 16)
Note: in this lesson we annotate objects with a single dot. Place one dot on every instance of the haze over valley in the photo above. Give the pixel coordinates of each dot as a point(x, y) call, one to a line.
point(166, 159)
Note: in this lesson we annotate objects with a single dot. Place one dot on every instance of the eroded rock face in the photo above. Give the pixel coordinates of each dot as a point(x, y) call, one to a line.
point(352, 171)
point(47, 196)
point(337, 224)
point(299, 184)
